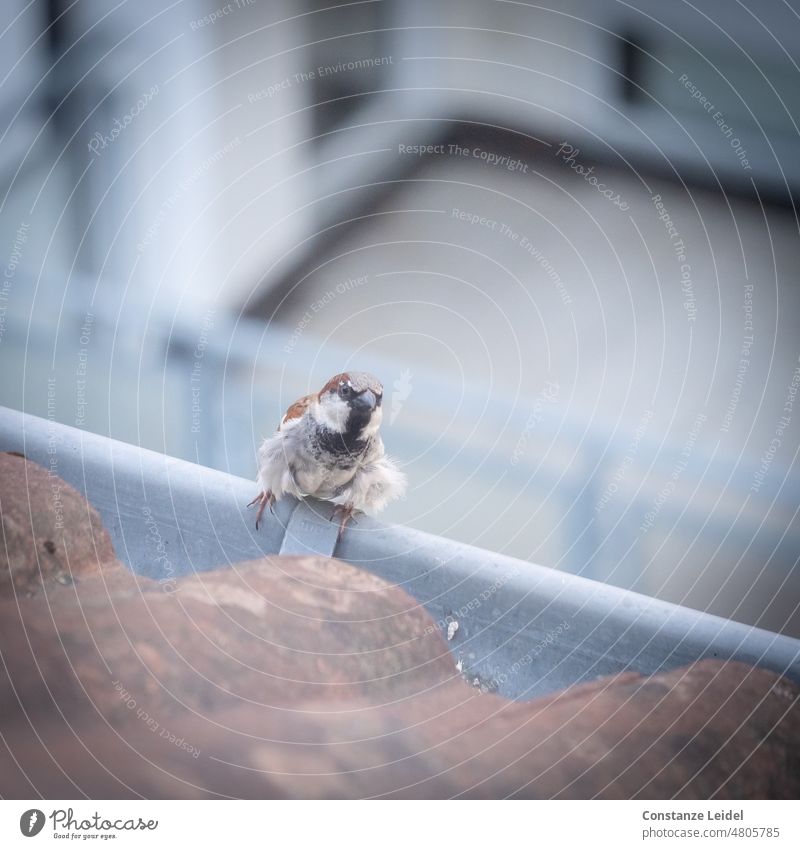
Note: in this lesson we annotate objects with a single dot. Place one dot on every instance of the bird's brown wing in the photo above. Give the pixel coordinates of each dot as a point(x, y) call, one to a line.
point(297, 409)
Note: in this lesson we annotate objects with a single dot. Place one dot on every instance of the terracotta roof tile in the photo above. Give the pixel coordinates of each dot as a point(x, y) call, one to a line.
point(48, 532)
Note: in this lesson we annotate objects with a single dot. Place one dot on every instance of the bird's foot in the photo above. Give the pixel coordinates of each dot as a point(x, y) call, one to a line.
point(263, 499)
point(344, 512)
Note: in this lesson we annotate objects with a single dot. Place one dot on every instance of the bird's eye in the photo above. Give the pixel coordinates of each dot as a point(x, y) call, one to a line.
point(345, 391)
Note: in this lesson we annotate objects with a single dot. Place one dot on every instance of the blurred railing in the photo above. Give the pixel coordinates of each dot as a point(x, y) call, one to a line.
point(145, 383)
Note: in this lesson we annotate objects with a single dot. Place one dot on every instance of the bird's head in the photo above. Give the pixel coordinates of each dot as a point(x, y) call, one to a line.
point(351, 403)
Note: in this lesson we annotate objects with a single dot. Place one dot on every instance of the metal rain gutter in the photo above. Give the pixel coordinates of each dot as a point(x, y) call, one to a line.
point(523, 630)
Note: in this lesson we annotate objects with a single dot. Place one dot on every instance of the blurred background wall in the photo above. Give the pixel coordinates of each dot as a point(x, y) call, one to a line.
point(564, 235)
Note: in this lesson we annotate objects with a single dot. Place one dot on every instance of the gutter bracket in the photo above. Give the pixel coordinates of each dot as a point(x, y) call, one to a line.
point(310, 529)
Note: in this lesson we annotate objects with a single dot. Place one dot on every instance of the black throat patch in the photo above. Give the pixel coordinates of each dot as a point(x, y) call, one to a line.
point(346, 444)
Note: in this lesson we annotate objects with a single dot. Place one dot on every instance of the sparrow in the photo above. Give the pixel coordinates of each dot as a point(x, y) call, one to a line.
point(328, 446)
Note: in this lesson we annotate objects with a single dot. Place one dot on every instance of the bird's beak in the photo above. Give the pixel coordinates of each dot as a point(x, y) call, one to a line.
point(365, 402)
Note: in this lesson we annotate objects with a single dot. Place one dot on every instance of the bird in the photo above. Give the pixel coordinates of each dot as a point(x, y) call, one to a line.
point(328, 446)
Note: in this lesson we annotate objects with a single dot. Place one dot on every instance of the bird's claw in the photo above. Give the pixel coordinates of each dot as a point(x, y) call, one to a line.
point(263, 499)
point(345, 513)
